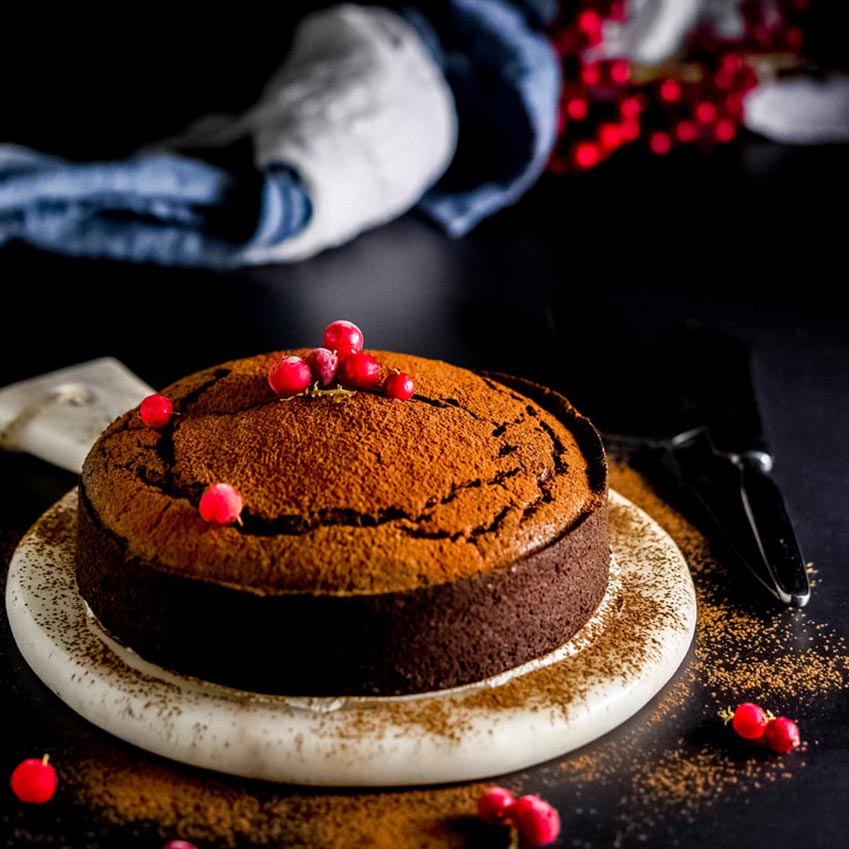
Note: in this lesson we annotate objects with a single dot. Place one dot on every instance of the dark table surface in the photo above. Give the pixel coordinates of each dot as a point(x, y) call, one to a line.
point(565, 287)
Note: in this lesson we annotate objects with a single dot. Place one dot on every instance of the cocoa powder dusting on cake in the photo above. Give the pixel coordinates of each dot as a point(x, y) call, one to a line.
point(669, 763)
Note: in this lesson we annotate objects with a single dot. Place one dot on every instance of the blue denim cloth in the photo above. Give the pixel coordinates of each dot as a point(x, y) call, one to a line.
point(176, 210)
point(158, 208)
point(506, 82)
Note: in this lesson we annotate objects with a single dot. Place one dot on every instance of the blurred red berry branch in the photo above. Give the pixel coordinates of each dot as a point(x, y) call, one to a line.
point(696, 97)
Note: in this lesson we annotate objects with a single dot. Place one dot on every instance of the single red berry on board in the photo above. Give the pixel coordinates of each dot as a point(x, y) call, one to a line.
point(34, 780)
point(156, 410)
point(495, 804)
point(323, 364)
point(782, 735)
point(221, 504)
point(289, 376)
point(344, 337)
point(399, 385)
point(749, 721)
point(538, 822)
point(359, 371)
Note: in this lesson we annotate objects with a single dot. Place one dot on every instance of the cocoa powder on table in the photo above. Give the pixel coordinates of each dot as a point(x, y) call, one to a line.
point(673, 760)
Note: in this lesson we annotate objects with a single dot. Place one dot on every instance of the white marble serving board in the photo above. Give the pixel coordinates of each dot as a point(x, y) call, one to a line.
point(626, 653)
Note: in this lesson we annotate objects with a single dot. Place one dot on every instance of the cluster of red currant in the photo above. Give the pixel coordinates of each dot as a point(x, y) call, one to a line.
point(340, 366)
point(532, 820)
point(610, 102)
point(752, 722)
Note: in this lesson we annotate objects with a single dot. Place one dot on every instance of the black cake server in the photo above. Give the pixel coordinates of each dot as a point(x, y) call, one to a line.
point(719, 460)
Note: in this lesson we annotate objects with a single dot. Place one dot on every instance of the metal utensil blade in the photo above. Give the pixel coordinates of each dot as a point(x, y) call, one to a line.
point(747, 508)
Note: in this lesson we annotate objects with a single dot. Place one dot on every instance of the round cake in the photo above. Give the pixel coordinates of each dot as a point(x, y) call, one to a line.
point(384, 546)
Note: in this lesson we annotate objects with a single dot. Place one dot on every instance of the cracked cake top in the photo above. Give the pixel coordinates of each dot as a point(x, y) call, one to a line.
point(353, 495)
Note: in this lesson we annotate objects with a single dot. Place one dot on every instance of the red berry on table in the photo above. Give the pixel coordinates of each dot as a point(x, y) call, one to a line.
point(538, 822)
point(749, 721)
point(156, 410)
point(343, 337)
point(34, 780)
point(289, 376)
point(495, 804)
point(323, 364)
point(399, 385)
point(782, 735)
point(221, 504)
point(359, 371)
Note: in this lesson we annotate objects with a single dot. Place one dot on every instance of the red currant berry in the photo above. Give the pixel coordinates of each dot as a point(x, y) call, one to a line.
point(399, 385)
point(725, 130)
point(34, 780)
point(610, 135)
point(156, 411)
point(289, 376)
point(323, 364)
point(782, 735)
point(660, 142)
point(538, 823)
point(749, 721)
point(221, 504)
point(586, 154)
point(577, 109)
point(620, 71)
point(344, 337)
point(495, 804)
point(686, 131)
point(629, 129)
point(631, 106)
point(591, 73)
point(706, 112)
point(359, 371)
point(590, 23)
point(670, 91)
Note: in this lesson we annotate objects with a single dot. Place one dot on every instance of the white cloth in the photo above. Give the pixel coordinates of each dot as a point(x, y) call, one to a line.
point(656, 30)
point(360, 110)
point(801, 110)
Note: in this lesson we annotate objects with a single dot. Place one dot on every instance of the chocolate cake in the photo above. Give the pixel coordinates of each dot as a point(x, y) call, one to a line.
point(384, 547)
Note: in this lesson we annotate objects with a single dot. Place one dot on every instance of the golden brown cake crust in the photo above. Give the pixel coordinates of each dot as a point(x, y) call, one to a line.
point(365, 510)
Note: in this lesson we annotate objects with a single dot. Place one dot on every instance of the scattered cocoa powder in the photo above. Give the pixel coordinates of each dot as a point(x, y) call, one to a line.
point(208, 810)
point(670, 763)
point(741, 653)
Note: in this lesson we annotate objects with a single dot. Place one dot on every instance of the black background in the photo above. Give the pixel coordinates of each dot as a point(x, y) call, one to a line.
point(567, 286)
